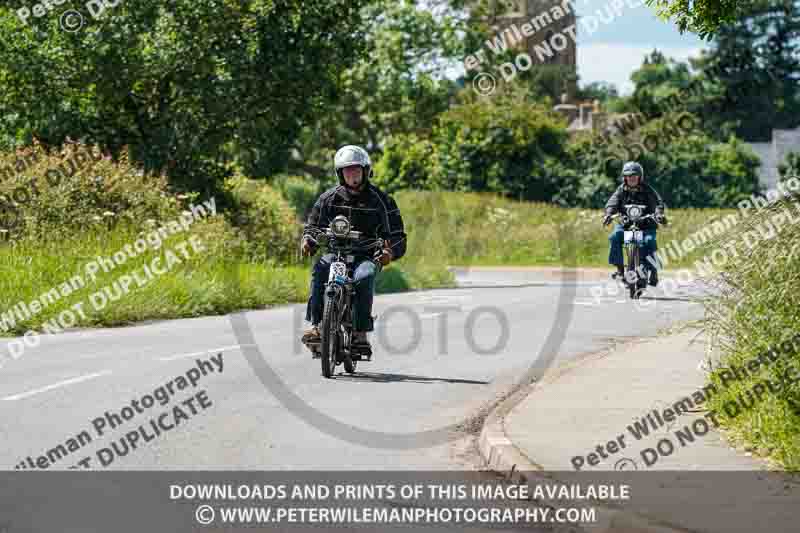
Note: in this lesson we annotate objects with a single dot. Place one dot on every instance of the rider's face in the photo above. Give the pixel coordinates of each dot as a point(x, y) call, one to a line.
point(353, 176)
point(632, 180)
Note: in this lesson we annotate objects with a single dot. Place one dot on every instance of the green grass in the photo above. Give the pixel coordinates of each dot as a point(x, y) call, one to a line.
point(211, 282)
point(757, 310)
point(486, 230)
point(444, 229)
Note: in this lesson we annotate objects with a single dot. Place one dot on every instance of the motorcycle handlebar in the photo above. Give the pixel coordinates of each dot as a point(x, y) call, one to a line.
point(645, 217)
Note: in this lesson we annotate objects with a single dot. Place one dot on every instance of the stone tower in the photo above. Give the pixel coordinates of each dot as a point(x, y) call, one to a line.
point(545, 29)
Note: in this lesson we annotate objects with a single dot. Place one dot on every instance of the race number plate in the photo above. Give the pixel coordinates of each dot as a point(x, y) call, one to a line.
point(631, 236)
point(628, 237)
point(338, 269)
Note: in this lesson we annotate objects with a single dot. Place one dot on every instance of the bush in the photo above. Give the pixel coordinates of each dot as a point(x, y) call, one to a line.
point(693, 170)
point(687, 168)
point(58, 194)
point(406, 163)
point(507, 147)
point(266, 220)
point(300, 192)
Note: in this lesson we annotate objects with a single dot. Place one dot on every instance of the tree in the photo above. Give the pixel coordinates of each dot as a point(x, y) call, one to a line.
point(703, 17)
point(752, 75)
point(188, 85)
point(398, 88)
point(599, 90)
point(505, 145)
point(656, 80)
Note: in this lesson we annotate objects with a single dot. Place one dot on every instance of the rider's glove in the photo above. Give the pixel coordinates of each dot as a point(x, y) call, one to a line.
point(606, 220)
point(384, 256)
point(661, 219)
point(308, 246)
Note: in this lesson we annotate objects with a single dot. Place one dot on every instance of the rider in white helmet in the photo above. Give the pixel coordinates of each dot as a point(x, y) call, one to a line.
point(372, 212)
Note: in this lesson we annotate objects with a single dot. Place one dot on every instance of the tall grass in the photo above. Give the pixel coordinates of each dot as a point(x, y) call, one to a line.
point(444, 228)
point(485, 229)
point(217, 280)
point(757, 310)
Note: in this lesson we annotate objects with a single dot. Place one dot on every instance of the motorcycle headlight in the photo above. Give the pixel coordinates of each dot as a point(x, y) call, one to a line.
point(340, 226)
point(635, 212)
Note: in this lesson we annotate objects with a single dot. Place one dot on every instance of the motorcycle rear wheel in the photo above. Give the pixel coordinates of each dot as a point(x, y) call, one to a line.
point(329, 336)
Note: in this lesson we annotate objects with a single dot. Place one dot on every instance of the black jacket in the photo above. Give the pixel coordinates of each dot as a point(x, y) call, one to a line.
point(371, 212)
point(644, 194)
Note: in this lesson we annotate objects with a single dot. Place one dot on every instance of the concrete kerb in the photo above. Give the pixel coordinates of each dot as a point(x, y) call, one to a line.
point(504, 458)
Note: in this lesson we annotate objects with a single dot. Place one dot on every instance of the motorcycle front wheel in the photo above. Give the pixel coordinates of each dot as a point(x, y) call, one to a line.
point(633, 268)
point(329, 336)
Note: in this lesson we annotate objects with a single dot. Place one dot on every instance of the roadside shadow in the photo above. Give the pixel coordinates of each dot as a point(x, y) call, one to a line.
point(376, 377)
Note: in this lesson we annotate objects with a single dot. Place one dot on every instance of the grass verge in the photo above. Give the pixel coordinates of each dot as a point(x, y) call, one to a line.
point(756, 312)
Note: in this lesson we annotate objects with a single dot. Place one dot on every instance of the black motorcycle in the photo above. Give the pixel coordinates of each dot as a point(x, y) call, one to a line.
point(336, 329)
point(635, 276)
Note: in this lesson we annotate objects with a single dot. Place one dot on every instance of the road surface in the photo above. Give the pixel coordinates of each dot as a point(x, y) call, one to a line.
point(424, 377)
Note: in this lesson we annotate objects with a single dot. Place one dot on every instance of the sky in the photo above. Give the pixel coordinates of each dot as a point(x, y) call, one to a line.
point(617, 48)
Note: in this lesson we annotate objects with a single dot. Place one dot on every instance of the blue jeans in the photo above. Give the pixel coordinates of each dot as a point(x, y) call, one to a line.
point(362, 299)
point(648, 248)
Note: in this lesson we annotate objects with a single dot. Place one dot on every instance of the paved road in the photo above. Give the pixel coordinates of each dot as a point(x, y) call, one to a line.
point(55, 392)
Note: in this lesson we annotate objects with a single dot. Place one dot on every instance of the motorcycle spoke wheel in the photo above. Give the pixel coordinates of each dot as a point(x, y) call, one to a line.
point(328, 337)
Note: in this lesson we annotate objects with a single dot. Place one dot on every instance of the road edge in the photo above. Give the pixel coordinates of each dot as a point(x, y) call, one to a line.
point(502, 457)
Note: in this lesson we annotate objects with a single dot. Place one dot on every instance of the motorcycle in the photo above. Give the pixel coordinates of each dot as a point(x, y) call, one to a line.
point(336, 329)
point(635, 277)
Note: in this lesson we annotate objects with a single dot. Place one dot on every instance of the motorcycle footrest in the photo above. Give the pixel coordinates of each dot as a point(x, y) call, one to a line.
point(361, 354)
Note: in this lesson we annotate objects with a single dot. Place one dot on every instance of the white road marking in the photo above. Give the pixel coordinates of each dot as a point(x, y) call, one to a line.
point(56, 385)
point(213, 350)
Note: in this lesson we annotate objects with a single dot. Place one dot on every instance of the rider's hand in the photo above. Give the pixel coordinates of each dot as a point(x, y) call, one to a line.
point(307, 247)
point(385, 256)
point(661, 219)
point(606, 220)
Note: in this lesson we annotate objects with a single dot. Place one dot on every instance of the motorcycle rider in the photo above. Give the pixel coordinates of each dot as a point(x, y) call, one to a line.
point(634, 190)
point(372, 212)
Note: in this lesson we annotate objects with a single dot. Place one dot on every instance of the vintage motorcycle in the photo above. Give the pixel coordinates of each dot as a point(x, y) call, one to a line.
point(635, 276)
point(336, 329)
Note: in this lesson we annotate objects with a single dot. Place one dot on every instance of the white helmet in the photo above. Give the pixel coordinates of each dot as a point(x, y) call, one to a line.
point(348, 156)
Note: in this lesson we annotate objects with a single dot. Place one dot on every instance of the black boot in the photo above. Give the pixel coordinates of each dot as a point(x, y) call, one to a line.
point(619, 274)
point(653, 278)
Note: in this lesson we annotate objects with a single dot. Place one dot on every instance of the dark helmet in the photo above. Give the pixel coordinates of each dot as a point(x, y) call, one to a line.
point(632, 168)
